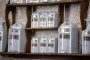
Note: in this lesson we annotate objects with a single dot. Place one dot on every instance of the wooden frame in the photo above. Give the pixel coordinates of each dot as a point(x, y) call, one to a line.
point(30, 31)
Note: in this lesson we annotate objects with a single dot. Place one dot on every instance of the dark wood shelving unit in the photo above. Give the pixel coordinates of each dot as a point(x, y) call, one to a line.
point(53, 28)
point(12, 7)
point(45, 3)
point(45, 54)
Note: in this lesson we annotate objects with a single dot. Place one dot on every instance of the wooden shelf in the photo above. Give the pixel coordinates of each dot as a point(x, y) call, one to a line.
point(46, 54)
point(44, 3)
point(55, 28)
point(12, 7)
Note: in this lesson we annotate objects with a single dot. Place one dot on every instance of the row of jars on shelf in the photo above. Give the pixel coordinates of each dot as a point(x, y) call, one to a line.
point(44, 19)
point(66, 42)
point(16, 37)
point(31, 1)
point(44, 44)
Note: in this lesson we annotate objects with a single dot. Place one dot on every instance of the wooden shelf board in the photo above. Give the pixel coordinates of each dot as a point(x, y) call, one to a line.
point(44, 3)
point(44, 54)
point(55, 28)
